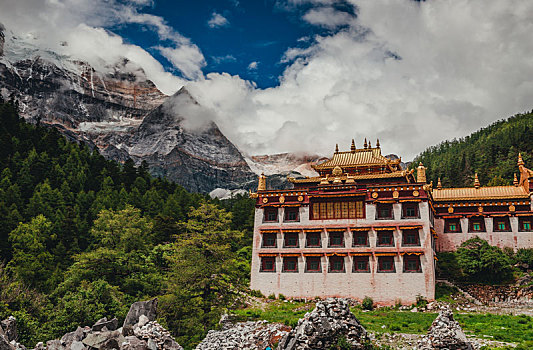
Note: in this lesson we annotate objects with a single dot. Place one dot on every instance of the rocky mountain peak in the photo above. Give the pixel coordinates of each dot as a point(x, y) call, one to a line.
point(2, 39)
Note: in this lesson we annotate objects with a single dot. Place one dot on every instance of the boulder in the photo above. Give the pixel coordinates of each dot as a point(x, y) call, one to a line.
point(445, 333)
point(54, 345)
point(76, 345)
point(72, 337)
point(9, 326)
point(324, 326)
point(137, 309)
point(97, 339)
point(111, 325)
point(133, 343)
point(4, 344)
point(155, 332)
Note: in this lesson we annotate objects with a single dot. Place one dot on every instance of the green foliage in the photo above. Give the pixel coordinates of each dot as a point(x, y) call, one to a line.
point(421, 301)
point(491, 152)
point(368, 303)
point(482, 262)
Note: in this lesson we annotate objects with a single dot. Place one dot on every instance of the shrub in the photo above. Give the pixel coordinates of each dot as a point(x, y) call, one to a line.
point(421, 301)
point(272, 296)
point(256, 293)
point(281, 297)
point(397, 303)
point(447, 266)
point(368, 303)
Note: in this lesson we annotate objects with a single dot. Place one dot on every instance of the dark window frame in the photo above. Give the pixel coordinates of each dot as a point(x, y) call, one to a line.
point(408, 206)
point(309, 259)
point(476, 220)
point(308, 235)
point(267, 217)
point(290, 210)
point(408, 233)
point(385, 233)
point(456, 222)
point(286, 261)
point(264, 259)
point(336, 234)
point(356, 260)
point(287, 236)
point(522, 221)
point(269, 234)
point(331, 262)
point(407, 259)
point(497, 221)
point(382, 260)
point(382, 206)
point(356, 235)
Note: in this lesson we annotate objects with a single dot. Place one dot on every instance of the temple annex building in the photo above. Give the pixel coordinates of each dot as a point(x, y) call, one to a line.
point(365, 227)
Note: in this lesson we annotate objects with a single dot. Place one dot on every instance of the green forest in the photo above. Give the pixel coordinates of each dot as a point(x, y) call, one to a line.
point(492, 152)
point(82, 237)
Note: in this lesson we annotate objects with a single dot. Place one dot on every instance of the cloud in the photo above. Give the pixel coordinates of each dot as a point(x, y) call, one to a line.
point(81, 25)
point(217, 21)
point(223, 59)
point(328, 17)
point(409, 73)
point(253, 65)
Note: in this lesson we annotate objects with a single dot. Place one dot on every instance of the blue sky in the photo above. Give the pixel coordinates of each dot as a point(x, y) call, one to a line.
point(247, 31)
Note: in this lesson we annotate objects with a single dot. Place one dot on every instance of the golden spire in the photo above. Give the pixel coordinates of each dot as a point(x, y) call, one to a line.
point(421, 173)
point(337, 148)
point(352, 148)
point(261, 186)
point(520, 160)
point(377, 144)
point(366, 144)
point(476, 182)
point(515, 180)
point(369, 145)
point(439, 184)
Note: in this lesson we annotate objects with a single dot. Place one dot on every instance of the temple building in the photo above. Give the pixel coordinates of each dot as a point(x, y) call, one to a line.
point(366, 227)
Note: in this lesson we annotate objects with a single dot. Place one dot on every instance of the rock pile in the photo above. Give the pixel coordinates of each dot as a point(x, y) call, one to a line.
point(445, 333)
point(324, 326)
point(244, 336)
point(140, 331)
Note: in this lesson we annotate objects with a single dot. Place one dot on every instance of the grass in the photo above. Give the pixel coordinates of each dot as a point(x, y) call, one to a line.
point(505, 328)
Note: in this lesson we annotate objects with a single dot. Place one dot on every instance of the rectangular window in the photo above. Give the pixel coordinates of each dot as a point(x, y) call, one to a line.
point(361, 264)
point(385, 238)
point(271, 215)
point(452, 225)
point(291, 214)
point(269, 240)
point(411, 264)
point(338, 210)
point(386, 264)
point(290, 264)
point(384, 211)
point(410, 210)
point(336, 239)
point(410, 238)
point(477, 225)
point(360, 239)
point(290, 240)
point(501, 224)
point(336, 264)
point(268, 264)
point(313, 240)
point(313, 264)
point(524, 224)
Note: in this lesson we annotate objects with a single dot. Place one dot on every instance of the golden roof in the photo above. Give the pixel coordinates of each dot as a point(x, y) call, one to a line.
point(480, 193)
point(394, 174)
point(357, 157)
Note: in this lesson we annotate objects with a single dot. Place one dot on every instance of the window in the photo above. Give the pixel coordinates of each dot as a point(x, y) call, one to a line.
point(290, 264)
point(411, 264)
point(384, 211)
point(291, 214)
point(290, 240)
point(336, 264)
point(313, 240)
point(338, 210)
point(410, 210)
point(386, 264)
point(268, 264)
point(336, 239)
point(452, 225)
point(271, 215)
point(313, 264)
point(501, 224)
point(269, 240)
point(410, 238)
point(477, 224)
point(385, 238)
point(360, 264)
point(360, 238)
point(524, 223)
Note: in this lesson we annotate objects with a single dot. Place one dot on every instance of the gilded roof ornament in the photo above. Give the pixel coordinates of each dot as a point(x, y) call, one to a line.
point(366, 144)
point(261, 186)
point(515, 180)
point(369, 145)
point(421, 173)
point(439, 184)
point(377, 144)
point(337, 171)
point(476, 182)
point(520, 160)
point(352, 148)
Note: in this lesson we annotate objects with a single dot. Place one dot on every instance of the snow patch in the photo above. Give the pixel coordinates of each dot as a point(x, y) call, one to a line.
point(222, 193)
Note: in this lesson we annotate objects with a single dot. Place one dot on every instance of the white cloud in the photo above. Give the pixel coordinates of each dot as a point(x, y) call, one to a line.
point(409, 73)
point(186, 58)
point(328, 17)
point(217, 21)
point(253, 65)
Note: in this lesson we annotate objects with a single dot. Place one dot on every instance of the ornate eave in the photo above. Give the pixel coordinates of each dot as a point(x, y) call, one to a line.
point(481, 193)
point(357, 158)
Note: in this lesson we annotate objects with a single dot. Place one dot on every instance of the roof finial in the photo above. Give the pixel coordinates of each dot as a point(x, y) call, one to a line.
point(337, 148)
point(377, 144)
point(421, 173)
point(476, 182)
point(520, 160)
point(439, 184)
point(261, 186)
point(369, 145)
point(366, 144)
point(515, 180)
point(353, 146)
